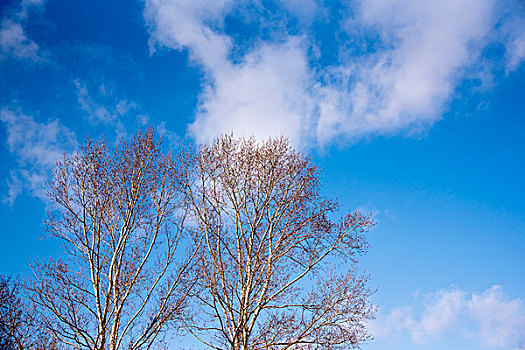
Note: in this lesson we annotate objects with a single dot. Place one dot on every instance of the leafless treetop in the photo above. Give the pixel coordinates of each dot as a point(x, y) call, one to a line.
point(275, 271)
point(119, 216)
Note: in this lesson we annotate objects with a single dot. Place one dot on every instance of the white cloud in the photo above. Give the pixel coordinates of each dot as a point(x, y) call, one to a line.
point(516, 50)
point(490, 319)
point(36, 147)
point(425, 48)
point(265, 95)
point(304, 10)
point(439, 314)
point(14, 42)
point(189, 24)
point(501, 320)
point(423, 52)
point(397, 320)
point(513, 34)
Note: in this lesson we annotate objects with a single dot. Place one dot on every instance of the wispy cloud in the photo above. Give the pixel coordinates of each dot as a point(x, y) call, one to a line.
point(188, 24)
point(413, 56)
point(103, 108)
point(501, 320)
point(14, 42)
point(425, 46)
point(36, 147)
point(264, 94)
point(489, 319)
point(512, 31)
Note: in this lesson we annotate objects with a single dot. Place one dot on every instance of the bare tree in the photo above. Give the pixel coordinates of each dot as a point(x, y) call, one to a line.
point(17, 328)
point(122, 281)
point(13, 318)
point(275, 270)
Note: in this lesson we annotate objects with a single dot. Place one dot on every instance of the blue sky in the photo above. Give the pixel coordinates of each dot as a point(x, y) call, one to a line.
point(414, 109)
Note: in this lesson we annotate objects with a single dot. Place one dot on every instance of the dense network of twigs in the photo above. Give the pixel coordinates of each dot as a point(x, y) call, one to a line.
point(232, 243)
point(271, 269)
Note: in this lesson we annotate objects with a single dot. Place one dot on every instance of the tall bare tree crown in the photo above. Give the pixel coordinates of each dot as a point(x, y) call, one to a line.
point(266, 270)
point(117, 214)
point(265, 265)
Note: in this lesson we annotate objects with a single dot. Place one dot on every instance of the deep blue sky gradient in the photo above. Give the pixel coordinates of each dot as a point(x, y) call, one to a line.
point(448, 198)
